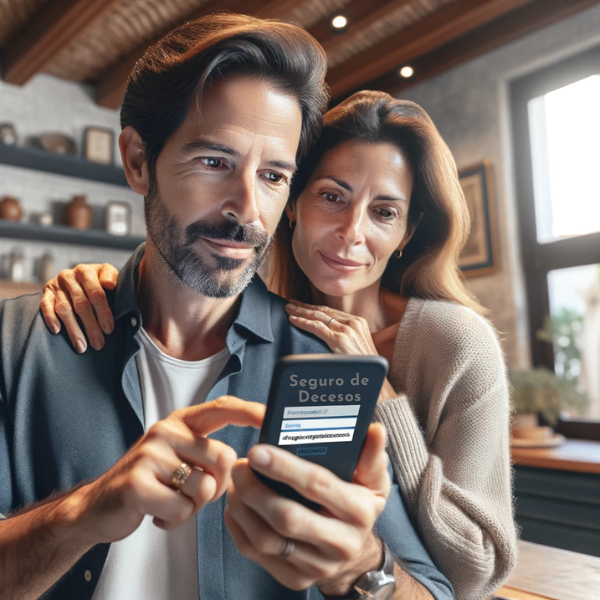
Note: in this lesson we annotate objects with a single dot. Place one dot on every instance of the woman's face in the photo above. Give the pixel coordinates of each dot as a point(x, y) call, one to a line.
point(352, 216)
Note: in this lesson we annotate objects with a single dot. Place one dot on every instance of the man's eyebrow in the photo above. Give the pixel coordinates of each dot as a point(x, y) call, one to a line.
point(348, 187)
point(206, 145)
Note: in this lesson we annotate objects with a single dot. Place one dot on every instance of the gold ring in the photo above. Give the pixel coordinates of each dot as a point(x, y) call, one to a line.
point(288, 548)
point(180, 475)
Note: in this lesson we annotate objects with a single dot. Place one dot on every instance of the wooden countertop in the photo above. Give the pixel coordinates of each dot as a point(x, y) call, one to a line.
point(575, 455)
point(550, 573)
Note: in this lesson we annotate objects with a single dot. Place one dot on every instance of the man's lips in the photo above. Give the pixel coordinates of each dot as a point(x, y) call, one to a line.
point(340, 264)
point(229, 248)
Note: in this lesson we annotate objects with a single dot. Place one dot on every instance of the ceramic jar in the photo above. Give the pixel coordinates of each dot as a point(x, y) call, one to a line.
point(10, 209)
point(79, 213)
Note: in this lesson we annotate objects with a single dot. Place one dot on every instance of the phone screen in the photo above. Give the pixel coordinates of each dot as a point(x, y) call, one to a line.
point(320, 408)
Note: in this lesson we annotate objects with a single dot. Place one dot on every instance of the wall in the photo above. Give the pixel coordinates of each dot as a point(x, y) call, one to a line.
point(48, 104)
point(470, 106)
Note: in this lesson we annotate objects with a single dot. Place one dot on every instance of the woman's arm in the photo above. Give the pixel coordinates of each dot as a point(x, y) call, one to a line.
point(455, 471)
point(80, 291)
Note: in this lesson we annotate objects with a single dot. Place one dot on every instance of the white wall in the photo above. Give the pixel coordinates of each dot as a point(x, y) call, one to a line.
point(48, 104)
point(470, 106)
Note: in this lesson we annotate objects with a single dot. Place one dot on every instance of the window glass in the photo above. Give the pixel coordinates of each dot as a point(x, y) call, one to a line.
point(565, 150)
point(575, 329)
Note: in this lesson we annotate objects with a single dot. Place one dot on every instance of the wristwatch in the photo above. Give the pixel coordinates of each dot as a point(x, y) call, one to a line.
point(374, 585)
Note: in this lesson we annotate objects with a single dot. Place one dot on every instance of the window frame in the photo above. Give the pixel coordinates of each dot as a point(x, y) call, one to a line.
point(539, 259)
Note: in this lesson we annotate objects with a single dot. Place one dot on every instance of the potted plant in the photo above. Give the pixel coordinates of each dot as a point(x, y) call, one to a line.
point(539, 392)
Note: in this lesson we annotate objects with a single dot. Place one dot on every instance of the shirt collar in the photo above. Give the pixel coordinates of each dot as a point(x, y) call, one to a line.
point(254, 313)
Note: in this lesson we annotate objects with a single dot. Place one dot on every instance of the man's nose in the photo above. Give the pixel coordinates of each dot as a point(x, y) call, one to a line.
point(242, 199)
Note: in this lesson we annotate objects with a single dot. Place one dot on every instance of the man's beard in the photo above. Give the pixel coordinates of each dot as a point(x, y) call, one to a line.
point(176, 246)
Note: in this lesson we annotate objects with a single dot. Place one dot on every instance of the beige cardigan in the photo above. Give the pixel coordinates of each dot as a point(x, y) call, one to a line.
point(449, 442)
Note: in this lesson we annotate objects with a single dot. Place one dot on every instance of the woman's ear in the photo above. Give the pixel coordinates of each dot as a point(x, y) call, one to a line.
point(409, 233)
point(134, 160)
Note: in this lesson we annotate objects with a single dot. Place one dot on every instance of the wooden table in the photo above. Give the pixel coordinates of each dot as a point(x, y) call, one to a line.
point(545, 573)
point(581, 456)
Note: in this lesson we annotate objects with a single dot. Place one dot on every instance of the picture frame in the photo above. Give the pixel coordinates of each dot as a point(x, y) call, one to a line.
point(118, 219)
point(480, 254)
point(98, 145)
point(8, 134)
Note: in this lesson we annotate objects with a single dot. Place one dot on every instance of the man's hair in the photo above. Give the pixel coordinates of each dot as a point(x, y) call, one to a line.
point(175, 71)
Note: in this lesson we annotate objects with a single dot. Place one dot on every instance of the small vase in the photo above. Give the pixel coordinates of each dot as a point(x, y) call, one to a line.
point(79, 213)
point(10, 210)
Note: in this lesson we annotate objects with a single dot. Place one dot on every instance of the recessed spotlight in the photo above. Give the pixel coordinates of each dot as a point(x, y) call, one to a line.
point(406, 72)
point(339, 22)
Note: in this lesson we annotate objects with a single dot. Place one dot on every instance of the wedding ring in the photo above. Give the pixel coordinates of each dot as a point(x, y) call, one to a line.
point(288, 548)
point(180, 475)
point(329, 323)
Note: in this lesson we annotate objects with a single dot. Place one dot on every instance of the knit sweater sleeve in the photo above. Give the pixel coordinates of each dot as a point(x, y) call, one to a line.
point(449, 444)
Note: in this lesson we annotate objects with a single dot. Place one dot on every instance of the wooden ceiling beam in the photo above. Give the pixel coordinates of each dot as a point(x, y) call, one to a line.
point(504, 30)
point(51, 30)
point(110, 87)
point(360, 15)
point(441, 27)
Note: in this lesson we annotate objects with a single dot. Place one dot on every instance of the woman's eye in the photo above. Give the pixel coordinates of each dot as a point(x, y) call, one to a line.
point(329, 197)
point(386, 213)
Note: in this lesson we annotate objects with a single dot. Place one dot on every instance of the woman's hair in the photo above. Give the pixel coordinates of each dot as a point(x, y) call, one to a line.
point(175, 71)
point(438, 216)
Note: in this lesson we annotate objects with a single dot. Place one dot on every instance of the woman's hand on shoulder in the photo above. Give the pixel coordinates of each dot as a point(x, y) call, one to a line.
point(80, 291)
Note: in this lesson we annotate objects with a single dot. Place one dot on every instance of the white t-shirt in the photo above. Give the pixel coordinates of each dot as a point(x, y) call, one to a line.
point(153, 564)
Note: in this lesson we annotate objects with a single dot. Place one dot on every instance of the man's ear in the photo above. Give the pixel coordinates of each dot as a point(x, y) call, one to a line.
point(290, 210)
point(134, 160)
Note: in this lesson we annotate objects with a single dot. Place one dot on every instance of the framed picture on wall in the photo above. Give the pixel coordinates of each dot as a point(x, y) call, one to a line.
point(98, 145)
point(480, 255)
point(118, 218)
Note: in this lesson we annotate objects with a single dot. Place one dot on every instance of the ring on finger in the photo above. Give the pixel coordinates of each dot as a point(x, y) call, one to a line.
point(180, 475)
point(329, 322)
point(288, 548)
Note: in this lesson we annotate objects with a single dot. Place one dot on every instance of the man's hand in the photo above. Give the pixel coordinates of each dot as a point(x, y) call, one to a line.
point(113, 506)
point(331, 549)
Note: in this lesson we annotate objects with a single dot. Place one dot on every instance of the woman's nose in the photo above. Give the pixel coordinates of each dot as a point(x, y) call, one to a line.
point(351, 227)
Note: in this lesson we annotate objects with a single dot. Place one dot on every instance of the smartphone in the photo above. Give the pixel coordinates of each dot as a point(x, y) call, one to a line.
point(319, 408)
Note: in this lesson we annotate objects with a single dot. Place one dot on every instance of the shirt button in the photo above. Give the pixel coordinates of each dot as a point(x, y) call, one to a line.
point(88, 575)
point(134, 322)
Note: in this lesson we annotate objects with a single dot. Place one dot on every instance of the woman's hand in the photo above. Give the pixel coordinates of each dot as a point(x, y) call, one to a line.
point(81, 291)
point(343, 333)
point(331, 549)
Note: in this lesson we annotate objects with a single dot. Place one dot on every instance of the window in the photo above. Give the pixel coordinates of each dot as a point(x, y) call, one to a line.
point(556, 134)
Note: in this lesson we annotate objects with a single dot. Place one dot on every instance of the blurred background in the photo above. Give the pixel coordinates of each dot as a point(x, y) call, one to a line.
point(512, 85)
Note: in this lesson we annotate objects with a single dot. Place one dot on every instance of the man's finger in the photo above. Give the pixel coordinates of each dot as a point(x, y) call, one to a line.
point(372, 468)
point(226, 410)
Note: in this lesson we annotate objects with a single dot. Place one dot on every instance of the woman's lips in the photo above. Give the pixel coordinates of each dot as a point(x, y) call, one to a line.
point(341, 264)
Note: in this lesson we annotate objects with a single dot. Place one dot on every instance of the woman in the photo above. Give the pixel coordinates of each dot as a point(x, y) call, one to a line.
point(368, 250)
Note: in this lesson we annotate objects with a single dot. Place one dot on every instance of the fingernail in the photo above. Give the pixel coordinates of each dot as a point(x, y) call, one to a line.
point(290, 307)
point(97, 343)
point(81, 346)
point(55, 328)
point(106, 327)
point(259, 457)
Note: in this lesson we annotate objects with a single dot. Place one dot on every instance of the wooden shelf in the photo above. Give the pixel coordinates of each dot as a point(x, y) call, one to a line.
point(71, 166)
point(581, 456)
point(61, 234)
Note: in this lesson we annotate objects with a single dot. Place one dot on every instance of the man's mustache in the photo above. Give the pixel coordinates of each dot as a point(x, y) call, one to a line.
point(227, 231)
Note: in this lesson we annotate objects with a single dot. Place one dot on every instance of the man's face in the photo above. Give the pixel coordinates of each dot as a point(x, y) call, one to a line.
point(221, 183)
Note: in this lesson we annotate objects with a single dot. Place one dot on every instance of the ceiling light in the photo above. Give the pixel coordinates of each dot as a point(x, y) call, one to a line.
point(406, 72)
point(339, 21)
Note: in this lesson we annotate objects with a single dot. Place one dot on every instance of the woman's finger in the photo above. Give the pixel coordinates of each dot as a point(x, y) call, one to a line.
point(331, 312)
point(108, 276)
point(47, 307)
point(63, 308)
point(88, 277)
point(317, 328)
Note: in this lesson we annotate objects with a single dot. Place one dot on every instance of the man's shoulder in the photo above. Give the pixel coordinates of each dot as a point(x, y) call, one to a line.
point(18, 315)
point(301, 342)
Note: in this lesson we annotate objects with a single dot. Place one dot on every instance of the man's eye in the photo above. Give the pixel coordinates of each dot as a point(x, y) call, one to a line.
point(275, 177)
point(212, 163)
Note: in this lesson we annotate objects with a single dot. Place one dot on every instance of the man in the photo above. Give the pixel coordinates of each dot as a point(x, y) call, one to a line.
point(214, 120)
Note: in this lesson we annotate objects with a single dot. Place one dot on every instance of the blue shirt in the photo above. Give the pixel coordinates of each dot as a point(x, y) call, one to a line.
point(67, 417)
